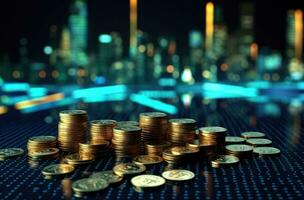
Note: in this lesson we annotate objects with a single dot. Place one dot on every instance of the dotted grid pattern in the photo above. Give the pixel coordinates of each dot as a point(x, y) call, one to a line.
point(257, 178)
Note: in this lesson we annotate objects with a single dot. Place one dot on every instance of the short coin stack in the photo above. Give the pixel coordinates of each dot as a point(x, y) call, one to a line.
point(239, 150)
point(93, 150)
point(205, 149)
point(181, 131)
point(126, 141)
point(154, 126)
point(156, 148)
point(40, 147)
point(72, 129)
point(213, 135)
point(101, 130)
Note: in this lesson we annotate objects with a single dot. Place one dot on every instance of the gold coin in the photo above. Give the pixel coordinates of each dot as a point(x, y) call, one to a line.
point(72, 112)
point(252, 134)
point(180, 150)
point(147, 159)
point(89, 185)
point(77, 158)
point(239, 148)
point(266, 151)
point(57, 169)
point(128, 169)
point(10, 152)
point(42, 139)
point(108, 176)
point(224, 160)
point(44, 152)
point(259, 141)
point(178, 175)
point(147, 181)
point(234, 139)
point(213, 130)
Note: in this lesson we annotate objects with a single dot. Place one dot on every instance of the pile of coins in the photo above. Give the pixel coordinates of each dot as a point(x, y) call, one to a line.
point(181, 131)
point(101, 130)
point(213, 135)
point(41, 147)
point(93, 150)
point(154, 126)
point(126, 141)
point(156, 148)
point(72, 129)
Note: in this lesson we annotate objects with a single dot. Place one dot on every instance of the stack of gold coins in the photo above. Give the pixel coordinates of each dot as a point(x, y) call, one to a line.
point(156, 148)
point(126, 141)
point(239, 150)
point(101, 130)
point(154, 126)
point(205, 149)
point(213, 135)
point(93, 150)
point(72, 129)
point(181, 131)
point(38, 144)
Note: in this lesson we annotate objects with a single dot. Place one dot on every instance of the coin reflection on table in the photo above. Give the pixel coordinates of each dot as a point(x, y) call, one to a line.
point(66, 185)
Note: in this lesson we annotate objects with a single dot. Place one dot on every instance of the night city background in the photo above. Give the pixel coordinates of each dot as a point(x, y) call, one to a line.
point(154, 44)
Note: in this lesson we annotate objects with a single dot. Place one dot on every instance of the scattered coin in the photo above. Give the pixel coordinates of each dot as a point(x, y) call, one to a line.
point(57, 169)
point(178, 175)
point(147, 181)
point(86, 185)
point(252, 134)
point(224, 160)
point(128, 169)
point(147, 159)
point(266, 151)
point(10, 152)
point(259, 142)
point(234, 139)
point(108, 176)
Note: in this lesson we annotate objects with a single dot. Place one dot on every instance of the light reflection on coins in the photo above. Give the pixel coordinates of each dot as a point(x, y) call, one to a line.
point(10, 153)
point(224, 160)
point(147, 181)
point(266, 151)
point(57, 169)
point(128, 169)
point(147, 159)
point(252, 134)
point(259, 142)
point(178, 175)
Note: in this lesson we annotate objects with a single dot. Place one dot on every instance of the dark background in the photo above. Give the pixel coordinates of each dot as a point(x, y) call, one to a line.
point(32, 19)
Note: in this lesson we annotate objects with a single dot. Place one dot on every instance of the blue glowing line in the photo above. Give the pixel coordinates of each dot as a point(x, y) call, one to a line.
point(155, 104)
point(37, 92)
point(95, 91)
point(229, 89)
point(105, 98)
point(15, 87)
point(167, 82)
point(49, 105)
point(158, 93)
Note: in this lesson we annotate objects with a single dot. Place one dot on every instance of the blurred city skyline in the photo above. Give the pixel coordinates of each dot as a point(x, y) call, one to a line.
point(32, 20)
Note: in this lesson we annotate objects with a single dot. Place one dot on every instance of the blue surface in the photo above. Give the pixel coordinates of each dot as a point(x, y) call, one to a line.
point(257, 178)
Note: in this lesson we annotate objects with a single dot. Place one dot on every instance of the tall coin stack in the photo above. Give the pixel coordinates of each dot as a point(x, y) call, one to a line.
point(154, 126)
point(213, 135)
point(101, 130)
point(72, 129)
point(126, 141)
point(181, 131)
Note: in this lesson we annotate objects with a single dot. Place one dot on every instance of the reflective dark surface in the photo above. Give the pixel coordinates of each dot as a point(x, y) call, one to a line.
point(257, 178)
